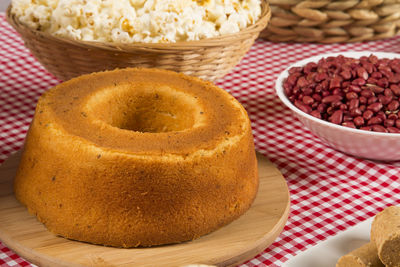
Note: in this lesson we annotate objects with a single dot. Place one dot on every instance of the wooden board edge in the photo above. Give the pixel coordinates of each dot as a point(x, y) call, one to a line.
point(44, 260)
point(33, 256)
point(263, 244)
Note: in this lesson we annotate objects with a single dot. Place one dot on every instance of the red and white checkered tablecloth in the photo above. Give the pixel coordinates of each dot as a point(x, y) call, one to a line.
point(330, 191)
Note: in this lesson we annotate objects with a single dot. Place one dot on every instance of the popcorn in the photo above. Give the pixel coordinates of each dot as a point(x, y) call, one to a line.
point(127, 21)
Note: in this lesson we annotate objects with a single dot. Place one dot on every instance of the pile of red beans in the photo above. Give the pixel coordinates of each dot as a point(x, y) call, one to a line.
point(357, 93)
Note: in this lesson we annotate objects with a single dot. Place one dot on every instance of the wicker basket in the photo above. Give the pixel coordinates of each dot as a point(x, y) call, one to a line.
point(325, 21)
point(208, 59)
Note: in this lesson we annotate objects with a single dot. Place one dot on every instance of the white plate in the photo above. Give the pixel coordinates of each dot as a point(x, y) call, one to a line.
point(327, 253)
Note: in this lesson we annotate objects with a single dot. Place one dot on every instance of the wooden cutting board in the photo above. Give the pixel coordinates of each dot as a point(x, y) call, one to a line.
point(233, 244)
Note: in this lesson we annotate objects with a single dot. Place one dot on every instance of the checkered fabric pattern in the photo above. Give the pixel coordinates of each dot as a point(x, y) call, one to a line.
point(330, 191)
point(9, 258)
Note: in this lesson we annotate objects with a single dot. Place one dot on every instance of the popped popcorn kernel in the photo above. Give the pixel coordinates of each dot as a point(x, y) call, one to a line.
point(128, 21)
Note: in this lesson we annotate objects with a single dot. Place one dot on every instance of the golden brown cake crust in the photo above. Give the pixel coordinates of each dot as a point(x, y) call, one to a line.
point(220, 111)
point(137, 157)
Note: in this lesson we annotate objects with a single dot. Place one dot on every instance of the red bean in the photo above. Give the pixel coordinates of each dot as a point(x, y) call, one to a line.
point(395, 78)
point(308, 90)
point(369, 67)
point(338, 91)
point(336, 104)
point(314, 105)
point(372, 99)
point(351, 95)
point(345, 86)
point(362, 73)
point(373, 59)
point(372, 81)
point(305, 108)
point(383, 82)
point(330, 110)
point(385, 99)
point(355, 112)
point(326, 93)
point(388, 122)
point(375, 107)
point(331, 98)
point(378, 128)
point(388, 92)
point(377, 89)
point(395, 89)
point(376, 75)
point(317, 97)
point(367, 93)
point(355, 88)
point(392, 116)
point(337, 117)
point(366, 128)
point(381, 115)
point(346, 74)
point(292, 80)
point(386, 71)
point(302, 82)
point(308, 100)
point(363, 100)
point(353, 103)
point(358, 121)
point(359, 81)
point(395, 68)
point(393, 105)
point(296, 90)
point(316, 114)
point(393, 129)
point(311, 66)
point(357, 93)
point(374, 120)
point(295, 70)
point(347, 118)
point(349, 124)
point(335, 82)
point(368, 114)
point(320, 77)
point(322, 108)
point(324, 84)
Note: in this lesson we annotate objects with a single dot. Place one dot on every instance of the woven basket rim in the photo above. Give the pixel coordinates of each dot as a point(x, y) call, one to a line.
point(226, 39)
point(305, 21)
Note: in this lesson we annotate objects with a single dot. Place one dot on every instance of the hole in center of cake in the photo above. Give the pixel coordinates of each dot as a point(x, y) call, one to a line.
point(145, 109)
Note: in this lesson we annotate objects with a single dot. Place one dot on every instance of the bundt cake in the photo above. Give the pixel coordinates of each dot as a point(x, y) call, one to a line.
point(137, 157)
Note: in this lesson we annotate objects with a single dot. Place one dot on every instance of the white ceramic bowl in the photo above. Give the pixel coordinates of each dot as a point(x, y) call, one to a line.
point(364, 144)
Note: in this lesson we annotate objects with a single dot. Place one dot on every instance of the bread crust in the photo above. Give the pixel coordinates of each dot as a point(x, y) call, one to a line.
point(87, 179)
